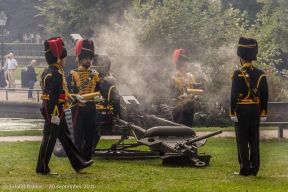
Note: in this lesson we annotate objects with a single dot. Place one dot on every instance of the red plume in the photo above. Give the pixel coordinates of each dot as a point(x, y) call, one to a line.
point(78, 47)
point(56, 47)
point(176, 55)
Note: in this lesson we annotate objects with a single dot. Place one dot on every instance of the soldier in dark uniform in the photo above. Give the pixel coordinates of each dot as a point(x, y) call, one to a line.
point(183, 107)
point(55, 95)
point(249, 97)
point(109, 107)
point(83, 81)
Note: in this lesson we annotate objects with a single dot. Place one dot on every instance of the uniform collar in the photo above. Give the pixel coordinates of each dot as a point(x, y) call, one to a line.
point(247, 65)
point(55, 65)
point(82, 69)
point(179, 73)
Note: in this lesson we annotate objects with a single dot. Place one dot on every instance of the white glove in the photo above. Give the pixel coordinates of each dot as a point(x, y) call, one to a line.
point(80, 98)
point(234, 118)
point(263, 119)
point(55, 120)
point(98, 99)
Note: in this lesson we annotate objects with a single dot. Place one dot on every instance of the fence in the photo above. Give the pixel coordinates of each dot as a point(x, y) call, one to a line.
point(10, 91)
point(24, 52)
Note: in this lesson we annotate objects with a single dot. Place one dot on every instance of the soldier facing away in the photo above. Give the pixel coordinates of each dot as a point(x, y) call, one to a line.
point(249, 97)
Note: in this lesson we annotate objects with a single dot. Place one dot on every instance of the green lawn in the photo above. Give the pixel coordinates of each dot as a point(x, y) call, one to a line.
point(18, 71)
point(18, 161)
point(197, 129)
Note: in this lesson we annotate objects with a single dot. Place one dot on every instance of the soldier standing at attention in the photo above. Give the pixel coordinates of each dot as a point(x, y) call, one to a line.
point(82, 81)
point(55, 95)
point(249, 97)
point(183, 107)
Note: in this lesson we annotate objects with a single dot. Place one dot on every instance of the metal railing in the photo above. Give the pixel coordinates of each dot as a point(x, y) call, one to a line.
point(11, 91)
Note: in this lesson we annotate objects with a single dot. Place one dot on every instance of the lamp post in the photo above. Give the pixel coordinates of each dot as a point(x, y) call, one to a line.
point(3, 19)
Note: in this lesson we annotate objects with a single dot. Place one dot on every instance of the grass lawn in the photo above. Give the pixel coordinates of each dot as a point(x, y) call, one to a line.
point(18, 161)
point(37, 69)
point(39, 132)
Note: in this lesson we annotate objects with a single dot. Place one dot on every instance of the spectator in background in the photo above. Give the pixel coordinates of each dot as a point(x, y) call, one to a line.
point(32, 37)
point(6, 67)
point(12, 66)
point(31, 77)
point(38, 38)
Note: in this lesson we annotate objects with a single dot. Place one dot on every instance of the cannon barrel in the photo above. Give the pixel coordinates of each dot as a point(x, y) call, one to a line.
point(160, 121)
point(140, 132)
point(203, 137)
point(74, 38)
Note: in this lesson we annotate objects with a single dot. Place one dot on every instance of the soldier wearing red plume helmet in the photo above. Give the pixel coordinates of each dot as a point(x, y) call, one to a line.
point(55, 95)
point(183, 107)
point(249, 97)
point(81, 81)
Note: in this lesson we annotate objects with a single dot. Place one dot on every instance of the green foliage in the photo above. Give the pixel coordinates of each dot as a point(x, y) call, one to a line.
point(162, 27)
point(20, 17)
point(270, 29)
point(84, 17)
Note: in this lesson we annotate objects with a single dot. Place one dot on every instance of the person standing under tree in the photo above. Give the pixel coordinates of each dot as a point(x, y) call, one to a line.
point(31, 77)
point(249, 98)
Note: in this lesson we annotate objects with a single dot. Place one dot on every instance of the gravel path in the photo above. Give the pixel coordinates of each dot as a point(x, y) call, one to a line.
point(19, 95)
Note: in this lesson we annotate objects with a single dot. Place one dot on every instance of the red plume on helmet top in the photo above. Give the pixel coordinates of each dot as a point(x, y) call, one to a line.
point(78, 47)
point(180, 56)
point(84, 48)
point(54, 50)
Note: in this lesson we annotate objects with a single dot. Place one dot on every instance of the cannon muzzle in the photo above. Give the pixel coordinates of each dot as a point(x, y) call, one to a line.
point(74, 38)
point(203, 137)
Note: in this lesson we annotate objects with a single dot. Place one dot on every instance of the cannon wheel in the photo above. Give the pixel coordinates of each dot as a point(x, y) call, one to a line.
point(125, 154)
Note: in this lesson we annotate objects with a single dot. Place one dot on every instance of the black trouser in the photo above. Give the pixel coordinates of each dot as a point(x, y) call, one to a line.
point(248, 138)
point(184, 115)
point(50, 133)
point(97, 135)
point(83, 128)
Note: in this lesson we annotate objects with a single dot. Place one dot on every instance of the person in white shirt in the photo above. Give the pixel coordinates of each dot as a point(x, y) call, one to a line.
point(12, 66)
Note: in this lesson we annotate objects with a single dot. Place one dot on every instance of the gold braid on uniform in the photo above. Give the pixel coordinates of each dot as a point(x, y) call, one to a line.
point(180, 81)
point(80, 78)
point(180, 84)
point(64, 85)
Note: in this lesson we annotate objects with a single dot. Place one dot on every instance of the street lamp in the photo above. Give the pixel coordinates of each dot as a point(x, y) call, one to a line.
point(3, 19)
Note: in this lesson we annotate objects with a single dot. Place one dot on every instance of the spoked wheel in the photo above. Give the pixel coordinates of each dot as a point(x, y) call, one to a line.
point(125, 154)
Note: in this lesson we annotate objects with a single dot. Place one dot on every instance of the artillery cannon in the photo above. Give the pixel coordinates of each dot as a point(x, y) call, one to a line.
point(176, 144)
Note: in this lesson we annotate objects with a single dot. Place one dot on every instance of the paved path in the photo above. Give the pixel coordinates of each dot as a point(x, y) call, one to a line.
point(267, 134)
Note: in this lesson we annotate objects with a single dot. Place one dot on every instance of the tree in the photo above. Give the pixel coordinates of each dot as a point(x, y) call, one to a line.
point(85, 17)
point(199, 26)
point(20, 17)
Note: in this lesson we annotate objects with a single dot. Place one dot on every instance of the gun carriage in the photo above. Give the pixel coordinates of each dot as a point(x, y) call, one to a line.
point(176, 144)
